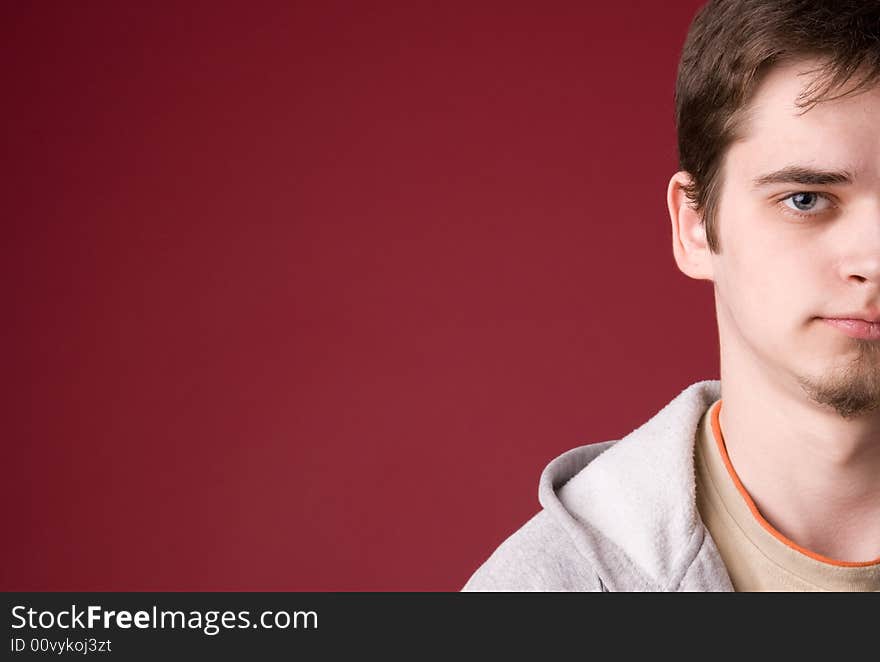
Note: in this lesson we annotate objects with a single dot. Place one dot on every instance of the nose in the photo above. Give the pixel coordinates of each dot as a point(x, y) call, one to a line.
point(864, 270)
point(860, 259)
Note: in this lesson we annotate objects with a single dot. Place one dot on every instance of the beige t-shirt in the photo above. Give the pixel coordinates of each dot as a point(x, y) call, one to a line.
point(757, 556)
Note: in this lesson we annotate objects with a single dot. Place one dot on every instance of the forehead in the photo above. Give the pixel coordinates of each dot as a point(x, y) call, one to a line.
point(840, 134)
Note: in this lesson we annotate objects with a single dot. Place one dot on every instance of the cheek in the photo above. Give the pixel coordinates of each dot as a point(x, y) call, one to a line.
point(763, 252)
point(759, 284)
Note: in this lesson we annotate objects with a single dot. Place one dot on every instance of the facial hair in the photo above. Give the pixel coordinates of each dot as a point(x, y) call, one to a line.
point(852, 390)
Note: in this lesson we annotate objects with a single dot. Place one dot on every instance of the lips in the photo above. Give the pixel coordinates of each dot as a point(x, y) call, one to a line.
point(856, 327)
point(865, 316)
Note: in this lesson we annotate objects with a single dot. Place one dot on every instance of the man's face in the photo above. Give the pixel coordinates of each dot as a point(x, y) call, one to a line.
point(796, 247)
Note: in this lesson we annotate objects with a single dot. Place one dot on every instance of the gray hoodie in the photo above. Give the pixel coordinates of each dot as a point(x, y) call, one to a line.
point(618, 515)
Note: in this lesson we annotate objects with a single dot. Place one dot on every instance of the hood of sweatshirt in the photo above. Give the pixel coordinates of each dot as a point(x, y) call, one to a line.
point(622, 512)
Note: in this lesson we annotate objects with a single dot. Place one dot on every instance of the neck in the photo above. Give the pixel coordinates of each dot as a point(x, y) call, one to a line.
point(811, 473)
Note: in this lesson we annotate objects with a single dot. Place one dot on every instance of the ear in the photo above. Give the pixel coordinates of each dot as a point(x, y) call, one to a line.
point(689, 244)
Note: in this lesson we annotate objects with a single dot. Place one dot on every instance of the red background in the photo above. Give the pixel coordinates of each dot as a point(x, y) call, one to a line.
point(303, 296)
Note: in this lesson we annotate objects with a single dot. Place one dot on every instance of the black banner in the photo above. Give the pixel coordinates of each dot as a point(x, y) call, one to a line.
point(163, 626)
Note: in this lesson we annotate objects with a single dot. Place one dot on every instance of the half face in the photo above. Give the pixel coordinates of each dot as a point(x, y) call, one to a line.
point(799, 228)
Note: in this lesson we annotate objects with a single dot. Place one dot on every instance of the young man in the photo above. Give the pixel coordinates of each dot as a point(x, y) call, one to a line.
point(768, 479)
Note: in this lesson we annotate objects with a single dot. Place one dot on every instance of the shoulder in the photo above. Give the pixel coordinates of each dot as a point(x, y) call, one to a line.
point(620, 510)
point(540, 556)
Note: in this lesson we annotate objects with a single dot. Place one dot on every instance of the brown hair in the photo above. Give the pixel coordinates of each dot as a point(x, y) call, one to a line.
point(731, 44)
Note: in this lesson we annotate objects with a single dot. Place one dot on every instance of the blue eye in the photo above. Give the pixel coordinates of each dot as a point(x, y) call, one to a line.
point(804, 201)
point(807, 201)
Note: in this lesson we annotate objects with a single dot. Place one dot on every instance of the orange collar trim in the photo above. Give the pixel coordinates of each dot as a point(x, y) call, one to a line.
point(719, 439)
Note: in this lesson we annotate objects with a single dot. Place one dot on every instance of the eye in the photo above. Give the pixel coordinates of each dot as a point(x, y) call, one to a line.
point(807, 202)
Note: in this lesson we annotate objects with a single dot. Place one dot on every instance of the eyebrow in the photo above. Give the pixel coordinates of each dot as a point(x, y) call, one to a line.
point(803, 175)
